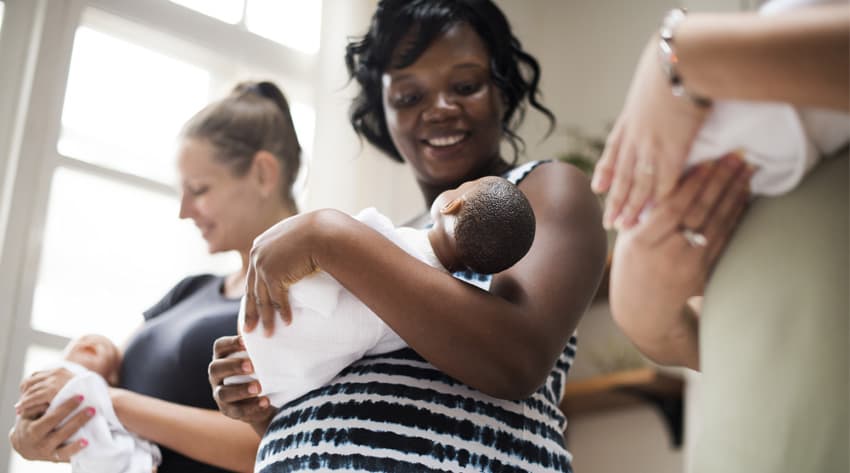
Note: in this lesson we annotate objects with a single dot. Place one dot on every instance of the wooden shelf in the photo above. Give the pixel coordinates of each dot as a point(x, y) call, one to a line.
point(628, 388)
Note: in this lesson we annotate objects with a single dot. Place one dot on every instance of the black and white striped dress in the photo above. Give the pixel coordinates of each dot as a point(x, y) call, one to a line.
point(397, 413)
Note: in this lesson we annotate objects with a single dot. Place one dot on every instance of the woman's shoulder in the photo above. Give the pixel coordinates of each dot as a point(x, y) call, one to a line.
point(557, 188)
point(183, 289)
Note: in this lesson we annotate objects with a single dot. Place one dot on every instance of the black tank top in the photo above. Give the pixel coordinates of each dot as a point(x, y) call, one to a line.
point(168, 358)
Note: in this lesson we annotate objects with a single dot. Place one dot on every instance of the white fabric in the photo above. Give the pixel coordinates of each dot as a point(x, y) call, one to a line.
point(111, 448)
point(784, 143)
point(329, 334)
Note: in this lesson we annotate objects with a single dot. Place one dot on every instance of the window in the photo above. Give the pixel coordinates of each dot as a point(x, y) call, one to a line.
point(124, 104)
point(228, 11)
point(104, 261)
point(292, 23)
point(102, 223)
point(2, 9)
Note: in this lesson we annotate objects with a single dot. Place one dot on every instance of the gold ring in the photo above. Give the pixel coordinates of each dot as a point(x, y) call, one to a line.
point(694, 238)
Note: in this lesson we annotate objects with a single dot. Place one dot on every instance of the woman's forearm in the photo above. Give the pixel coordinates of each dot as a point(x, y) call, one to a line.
point(801, 57)
point(202, 434)
point(667, 339)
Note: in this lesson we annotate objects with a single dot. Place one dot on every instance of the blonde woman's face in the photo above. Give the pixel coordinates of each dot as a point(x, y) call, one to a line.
point(224, 207)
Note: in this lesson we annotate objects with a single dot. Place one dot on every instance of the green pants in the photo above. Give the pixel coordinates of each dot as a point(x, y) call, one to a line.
point(774, 336)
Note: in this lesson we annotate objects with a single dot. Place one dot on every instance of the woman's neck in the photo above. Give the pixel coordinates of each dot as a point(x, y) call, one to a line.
point(496, 167)
point(234, 284)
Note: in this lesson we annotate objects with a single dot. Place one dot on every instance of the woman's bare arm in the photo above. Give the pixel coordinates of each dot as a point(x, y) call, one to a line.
point(502, 342)
point(202, 434)
point(801, 57)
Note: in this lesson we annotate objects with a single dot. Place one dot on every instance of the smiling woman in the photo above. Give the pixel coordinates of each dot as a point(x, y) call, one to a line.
point(442, 82)
point(237, 181)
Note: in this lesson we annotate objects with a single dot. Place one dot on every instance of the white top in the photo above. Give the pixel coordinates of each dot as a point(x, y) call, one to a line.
point(330, 327)
point(782, 141)
point(111, 448)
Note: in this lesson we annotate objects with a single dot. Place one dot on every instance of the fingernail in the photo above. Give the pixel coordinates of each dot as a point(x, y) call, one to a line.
point(618, 224)
point(253, 389)
point(84, 443)
point(594, 183)
point(90, 411)
point(264, 402)
point(241, 342)
point(606, 220)
point(80, 398)
point(246, 367)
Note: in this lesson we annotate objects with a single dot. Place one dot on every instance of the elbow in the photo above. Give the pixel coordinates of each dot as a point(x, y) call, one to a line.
point(517, 377)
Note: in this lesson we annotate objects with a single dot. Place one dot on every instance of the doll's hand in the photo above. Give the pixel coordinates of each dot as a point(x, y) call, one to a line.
point(39, 389)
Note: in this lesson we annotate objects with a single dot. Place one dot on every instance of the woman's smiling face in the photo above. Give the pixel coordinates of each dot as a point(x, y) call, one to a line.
point(443, 111)
point(224, 207)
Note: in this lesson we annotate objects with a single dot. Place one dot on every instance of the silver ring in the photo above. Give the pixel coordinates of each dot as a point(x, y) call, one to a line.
point(694, 238)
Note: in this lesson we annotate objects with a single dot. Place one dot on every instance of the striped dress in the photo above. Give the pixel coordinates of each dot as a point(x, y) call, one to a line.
point(396, 412)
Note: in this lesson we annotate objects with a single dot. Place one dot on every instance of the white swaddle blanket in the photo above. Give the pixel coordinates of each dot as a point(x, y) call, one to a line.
point(111, 448)
point(784, 143)
point(330, 327)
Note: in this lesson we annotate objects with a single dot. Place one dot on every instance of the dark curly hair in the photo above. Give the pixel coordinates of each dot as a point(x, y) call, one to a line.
point(495, 226)
point(515, 72)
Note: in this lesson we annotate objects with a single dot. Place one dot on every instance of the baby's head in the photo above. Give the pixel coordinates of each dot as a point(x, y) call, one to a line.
point(96, 353)
point(485, 225)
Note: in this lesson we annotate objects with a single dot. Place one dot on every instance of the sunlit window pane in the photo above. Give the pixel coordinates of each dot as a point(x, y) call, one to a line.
point(228, 11)
point(293, 23)
point(304, 120)
point(37, 358)
point(2, 10)
point(110, 252)
point(125, 104)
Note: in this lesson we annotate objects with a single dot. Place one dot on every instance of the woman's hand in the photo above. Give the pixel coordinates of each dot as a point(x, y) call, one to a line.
point(646, 151)
point(237, 401)
point(280, 257)
point(656, 268)
point(39, 389)
point(43, 439)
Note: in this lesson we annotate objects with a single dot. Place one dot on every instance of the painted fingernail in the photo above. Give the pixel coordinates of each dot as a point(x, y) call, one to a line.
point(80, 398)
point(90, 411)
point(253, 389)
point(246, 367)
point(84, 443)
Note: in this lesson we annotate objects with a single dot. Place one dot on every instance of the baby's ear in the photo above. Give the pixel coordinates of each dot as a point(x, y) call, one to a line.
point(453, 207)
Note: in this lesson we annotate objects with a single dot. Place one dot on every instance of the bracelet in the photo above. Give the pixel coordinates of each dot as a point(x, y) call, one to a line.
point(668, 58)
